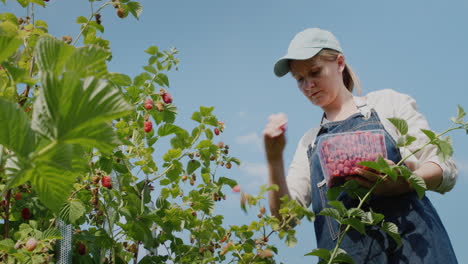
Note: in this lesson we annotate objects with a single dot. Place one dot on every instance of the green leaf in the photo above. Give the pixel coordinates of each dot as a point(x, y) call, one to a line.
point(392, 230)
point(80, 113)
point(16, 134)
point(418, 185)
point(150, 69)
point(153, 50)
point(51, 233)
point(334, 192)
point(209, 134)
point(52, 54)
point(356, 212)
point(331, 212)
point(356, 224)
point(120, 79)
point(135, 9)
point(206, 111)
point(376, 217)
point(339, 206)
point(192, 165)
point(460, 115)
point(163, 79)
point(41, 23)
point(196, 116)
point(7, 245)
point(81, 20)
point(72, 211)
point(343, 258)
point(8, 46)
point(322, 253)
point(88, 61)
point(400, 124)
point(291, 240)
point(227, 181)
point(167, 129)
point(206, 178)
point(172, 154)
point(38, 2)
point(444, 148)
point(431, 135)
point(405, 140)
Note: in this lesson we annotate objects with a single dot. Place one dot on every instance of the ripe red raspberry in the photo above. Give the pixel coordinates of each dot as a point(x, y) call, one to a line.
point(81, 248)
point(26, 213)
point(216, 131)
point(149, 104)
point(106, 182)
point(148, 126)
point(18, 196)
point(31, 244)
point(167, 98)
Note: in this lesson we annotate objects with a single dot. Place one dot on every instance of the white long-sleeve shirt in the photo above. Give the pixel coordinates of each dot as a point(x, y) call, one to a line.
point(387, 103)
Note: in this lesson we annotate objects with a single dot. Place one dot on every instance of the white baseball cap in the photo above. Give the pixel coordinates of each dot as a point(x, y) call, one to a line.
point(305, 45)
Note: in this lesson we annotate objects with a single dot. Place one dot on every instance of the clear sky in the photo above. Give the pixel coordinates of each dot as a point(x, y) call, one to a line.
point(227, 51)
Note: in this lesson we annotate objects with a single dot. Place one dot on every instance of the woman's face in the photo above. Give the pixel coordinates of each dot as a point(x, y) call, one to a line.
point(318, 79)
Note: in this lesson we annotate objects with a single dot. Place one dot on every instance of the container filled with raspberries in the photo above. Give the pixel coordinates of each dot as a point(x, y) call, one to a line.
point(340, 153)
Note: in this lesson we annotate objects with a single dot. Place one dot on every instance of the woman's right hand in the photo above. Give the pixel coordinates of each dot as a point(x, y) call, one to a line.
point(273, 136)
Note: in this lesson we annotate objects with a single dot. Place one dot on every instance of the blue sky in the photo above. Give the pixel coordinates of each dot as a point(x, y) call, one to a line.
point(227, 51)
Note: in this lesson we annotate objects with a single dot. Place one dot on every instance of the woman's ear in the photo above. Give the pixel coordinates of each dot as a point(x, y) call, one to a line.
point(340, 59)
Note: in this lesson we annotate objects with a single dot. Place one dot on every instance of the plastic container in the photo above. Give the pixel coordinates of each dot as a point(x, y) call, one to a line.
point(339, 153)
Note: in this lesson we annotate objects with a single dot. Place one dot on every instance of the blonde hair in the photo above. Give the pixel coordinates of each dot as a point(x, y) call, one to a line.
point(350, 79)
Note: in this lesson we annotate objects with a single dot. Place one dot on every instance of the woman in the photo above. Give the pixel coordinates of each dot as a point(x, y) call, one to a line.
point(316, 62)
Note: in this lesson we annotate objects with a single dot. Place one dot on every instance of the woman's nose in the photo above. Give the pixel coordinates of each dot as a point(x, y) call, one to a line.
point(309, 84)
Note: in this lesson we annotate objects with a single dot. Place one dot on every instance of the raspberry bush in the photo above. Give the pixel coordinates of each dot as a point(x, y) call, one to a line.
point(101, 152)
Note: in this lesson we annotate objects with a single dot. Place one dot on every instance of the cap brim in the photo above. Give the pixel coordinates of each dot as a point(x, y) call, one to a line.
point(282, 65)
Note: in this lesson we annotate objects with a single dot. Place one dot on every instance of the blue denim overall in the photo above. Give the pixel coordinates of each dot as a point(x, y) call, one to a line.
point(424, 239)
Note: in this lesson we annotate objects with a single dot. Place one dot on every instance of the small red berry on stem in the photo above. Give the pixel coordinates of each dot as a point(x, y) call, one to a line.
point(216, 131)
point(81, 248)
point(26, 213)
point(18, 196)
point(106, 182)
point(167, 98)
point(236, 188)
point(149, 104)
point(148, 126)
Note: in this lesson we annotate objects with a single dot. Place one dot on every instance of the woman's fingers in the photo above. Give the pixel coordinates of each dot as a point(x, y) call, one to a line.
point(370, 176)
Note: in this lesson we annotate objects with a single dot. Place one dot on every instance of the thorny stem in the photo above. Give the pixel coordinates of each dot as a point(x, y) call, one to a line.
point(89, 21)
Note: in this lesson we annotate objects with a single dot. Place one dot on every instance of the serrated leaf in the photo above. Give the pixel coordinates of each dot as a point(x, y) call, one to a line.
point(209, 134)
point(431, 135)
point(51, 233)
point(153, 50)
point(405, 140)
point(81, 20)
point(334, 192)
point(291, 240)
point(227, 181)
point(343, 258)
point(167, 129)
point(192, 165)
point(418, 185)
point(444, 148)
point(150, 69)
point(135, 9)
point(376, 217)
point(196, 116)
point(172, 154)
point(460, 115)
point(331, 212)
point(322, 253)
point(8, 46)
point(356, 224)
point(16, 134)
point(206, 111)
point(206, 178)
point(339, 206)
point(52, 54)
point(392, 230)
point(41, 23)
point(400, 124)
point(120, 79)
point(163, 79)
point(356, 212)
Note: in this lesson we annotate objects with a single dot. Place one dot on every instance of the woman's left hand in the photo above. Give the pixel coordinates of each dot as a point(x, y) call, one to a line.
point(367, 178)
